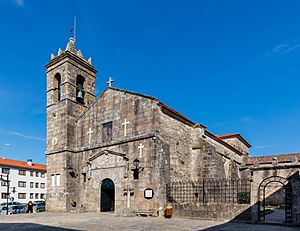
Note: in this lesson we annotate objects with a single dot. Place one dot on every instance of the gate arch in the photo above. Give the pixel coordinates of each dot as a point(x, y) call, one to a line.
point(288, 196)
point(107, 195)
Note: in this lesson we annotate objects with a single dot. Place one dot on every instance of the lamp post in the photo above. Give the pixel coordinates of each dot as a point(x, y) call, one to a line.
point(7, 188)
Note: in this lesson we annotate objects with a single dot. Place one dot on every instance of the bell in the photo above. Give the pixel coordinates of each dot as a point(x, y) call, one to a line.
point(80, 95)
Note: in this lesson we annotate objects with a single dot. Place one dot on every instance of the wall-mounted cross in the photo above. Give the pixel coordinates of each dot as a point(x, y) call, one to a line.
point(125, 123)
point(90, 132)
point(110, 81)
point(141, 147)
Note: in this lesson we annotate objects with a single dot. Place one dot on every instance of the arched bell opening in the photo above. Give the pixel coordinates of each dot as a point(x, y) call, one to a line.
point(57, 87)
point(80, 89)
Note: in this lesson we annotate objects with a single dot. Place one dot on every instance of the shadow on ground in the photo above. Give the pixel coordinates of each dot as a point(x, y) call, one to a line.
point(238, 226)
point(31, 227)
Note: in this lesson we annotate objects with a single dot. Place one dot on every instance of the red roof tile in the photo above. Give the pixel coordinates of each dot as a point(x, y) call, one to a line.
point(21, 164)
point(269, 159)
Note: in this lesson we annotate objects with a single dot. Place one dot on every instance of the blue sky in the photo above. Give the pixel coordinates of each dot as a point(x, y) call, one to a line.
point(233, 66)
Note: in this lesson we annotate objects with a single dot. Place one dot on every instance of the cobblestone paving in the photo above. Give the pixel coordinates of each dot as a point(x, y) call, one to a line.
point(110, 222)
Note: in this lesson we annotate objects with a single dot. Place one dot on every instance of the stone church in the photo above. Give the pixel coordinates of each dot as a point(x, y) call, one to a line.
point(118, 152)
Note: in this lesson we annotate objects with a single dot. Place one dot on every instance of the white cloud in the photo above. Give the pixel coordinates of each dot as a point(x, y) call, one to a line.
point(14, 133)
point(265, 146)
point(247, 119)
point(19, 2)
point(283, 48)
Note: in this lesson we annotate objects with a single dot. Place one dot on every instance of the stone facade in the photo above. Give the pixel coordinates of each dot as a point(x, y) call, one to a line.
point(119, 151)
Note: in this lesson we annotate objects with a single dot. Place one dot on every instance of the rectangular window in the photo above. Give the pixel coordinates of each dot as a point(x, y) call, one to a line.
point(107, 132)
point(31, 184)
point(22, 184)
point(31, 196)
point(36, 196)
point(21, 195)
point(22, 172)
point(36, 185)
point(31, 173)
point(4, 195)
point(37, 174)
point(42, 185)
point(42, 196)
point(5, 170)
point(42, 174)
point(3, 183)
point(55, 179)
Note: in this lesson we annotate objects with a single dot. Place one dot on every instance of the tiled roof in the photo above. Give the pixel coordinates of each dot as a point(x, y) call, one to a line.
point(21, 164)
point(268, 159)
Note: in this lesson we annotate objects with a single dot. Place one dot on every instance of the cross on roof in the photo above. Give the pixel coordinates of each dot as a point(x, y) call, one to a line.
point(110, 81)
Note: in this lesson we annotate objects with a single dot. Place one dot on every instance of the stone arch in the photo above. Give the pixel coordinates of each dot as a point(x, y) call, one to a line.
point(288, 196)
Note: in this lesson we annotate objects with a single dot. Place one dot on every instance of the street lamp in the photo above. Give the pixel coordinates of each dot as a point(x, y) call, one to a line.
point(7, 188)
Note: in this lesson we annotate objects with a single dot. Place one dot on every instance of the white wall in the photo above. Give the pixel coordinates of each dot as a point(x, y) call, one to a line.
point(15, 178)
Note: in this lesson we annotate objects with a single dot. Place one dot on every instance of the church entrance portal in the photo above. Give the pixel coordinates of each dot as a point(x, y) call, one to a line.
point(267, 195)
point(107, 195)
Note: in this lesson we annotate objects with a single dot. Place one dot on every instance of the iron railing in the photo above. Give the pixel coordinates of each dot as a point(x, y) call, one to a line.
point(210, 191)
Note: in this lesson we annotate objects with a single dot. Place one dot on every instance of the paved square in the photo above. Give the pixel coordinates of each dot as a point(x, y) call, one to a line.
point(110, 222)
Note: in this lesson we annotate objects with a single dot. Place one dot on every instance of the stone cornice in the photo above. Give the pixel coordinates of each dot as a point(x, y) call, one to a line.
point(119, 142)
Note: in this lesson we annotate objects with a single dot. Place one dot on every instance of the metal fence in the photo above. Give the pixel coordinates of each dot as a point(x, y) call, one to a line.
point(210, 190)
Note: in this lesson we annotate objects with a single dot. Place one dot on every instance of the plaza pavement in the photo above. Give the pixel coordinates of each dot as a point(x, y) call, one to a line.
point(110, 222)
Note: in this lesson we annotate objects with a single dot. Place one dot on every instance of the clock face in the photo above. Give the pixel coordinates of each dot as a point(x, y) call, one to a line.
point(54, 141)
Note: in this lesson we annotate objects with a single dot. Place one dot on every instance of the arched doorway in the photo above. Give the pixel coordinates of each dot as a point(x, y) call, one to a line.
point(270, 191)
point(107, 202)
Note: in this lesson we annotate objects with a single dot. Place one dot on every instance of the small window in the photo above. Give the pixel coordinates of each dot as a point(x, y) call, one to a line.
point(42, 174)
point(36, 185)
point(37, 174)
point(4, 195)
point(5, 170)
point(42, 185)
point(21, 195)
point(22, 184)
point(31, 173)
point(42, 196)
point(31, 196)
point(22, 172)
point(3, 183)
point(107, 132)
point(36, 196)
point(31, 184)
point(55, 179)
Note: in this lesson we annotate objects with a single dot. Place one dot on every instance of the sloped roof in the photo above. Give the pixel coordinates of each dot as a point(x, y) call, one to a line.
point(234, 135)
point(21, 164)
point(281, 158)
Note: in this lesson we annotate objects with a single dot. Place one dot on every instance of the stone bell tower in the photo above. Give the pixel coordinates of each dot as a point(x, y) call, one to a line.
point(70, 91)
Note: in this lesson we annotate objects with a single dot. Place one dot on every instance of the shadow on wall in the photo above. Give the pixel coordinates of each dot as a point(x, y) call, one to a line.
point(32, 227)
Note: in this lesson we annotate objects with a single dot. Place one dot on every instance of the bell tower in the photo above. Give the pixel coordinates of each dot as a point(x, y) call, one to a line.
point(70, 91)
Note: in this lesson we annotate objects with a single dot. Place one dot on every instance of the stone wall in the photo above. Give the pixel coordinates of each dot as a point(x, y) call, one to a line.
point(213, 211)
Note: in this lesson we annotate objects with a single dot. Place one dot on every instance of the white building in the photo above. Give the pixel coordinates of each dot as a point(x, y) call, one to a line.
point(27, 180)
